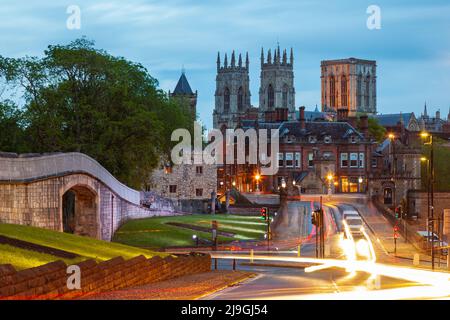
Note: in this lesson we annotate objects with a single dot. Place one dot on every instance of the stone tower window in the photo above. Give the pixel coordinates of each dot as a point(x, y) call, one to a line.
point(332, 92)
point(344, 97)
point(240, 99)
point(359, 90)
point(366, 102)
point(271, 97)
point(285, 96)
point(226, 100)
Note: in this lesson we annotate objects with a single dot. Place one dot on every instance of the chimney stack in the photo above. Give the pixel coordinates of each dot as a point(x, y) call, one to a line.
point(302, 118)
point(364, 124)
point(342, 114)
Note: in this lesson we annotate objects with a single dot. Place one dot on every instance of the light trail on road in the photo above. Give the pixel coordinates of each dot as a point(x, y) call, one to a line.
point(429, 284)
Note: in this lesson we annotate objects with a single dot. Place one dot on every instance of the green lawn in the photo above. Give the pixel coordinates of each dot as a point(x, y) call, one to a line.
point(83, 246)
point(155, 233)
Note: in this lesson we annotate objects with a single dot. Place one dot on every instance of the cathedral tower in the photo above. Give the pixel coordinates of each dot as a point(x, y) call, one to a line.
point(232, 91)
point(349, 84)
point(277, 82)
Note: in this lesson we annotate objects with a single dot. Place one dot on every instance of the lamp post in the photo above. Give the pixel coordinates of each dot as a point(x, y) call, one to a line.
point(426, 135)
point(330, 179)
point(391, 137)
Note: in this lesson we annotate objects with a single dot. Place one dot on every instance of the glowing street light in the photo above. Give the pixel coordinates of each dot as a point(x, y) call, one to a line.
point(257, 178)
point(283, 183)
point(195, 238)
point(391, 136)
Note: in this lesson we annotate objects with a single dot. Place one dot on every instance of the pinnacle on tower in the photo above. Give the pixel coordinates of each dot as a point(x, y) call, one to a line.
point(218, 61)
point(292, 57)
point(284, 57)
point(247, 61)
point(233, 60)
point(240, 61)
point(262, 56)
point(278, 54)
point(225, 63)
point(425, 113)
point(269, 57)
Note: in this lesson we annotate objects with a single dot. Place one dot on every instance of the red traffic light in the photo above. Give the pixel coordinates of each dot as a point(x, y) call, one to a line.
point(264, 213)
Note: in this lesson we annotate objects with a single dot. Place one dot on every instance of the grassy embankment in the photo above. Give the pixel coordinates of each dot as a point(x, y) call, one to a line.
point(156, 233)
point(86, 248)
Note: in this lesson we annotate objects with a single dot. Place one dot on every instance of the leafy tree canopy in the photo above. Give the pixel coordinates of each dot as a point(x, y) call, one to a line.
point(77, 98)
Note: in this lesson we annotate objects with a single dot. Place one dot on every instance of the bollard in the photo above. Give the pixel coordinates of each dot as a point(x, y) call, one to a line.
point(234, 264)
point(251, 255)
point(416, 260)
point(299, 250)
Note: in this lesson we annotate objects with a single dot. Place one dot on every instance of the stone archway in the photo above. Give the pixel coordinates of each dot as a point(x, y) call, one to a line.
point(80, 211)
point(387, 195)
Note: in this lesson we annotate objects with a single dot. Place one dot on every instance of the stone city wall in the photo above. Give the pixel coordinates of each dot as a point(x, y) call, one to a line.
point(50, 281)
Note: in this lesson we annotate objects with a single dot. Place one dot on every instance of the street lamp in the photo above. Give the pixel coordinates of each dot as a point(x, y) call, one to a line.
point(330, 178)
point(283, 183)
point(257, 178)
point(426, 135)
point(391, 137)
point(195, 238)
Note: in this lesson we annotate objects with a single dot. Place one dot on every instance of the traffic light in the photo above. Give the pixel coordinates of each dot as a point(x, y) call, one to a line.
point(396, 229)
point(264, 213)
point(398, 212)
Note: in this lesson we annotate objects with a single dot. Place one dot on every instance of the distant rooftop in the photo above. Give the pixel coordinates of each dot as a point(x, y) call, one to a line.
point(183, 86)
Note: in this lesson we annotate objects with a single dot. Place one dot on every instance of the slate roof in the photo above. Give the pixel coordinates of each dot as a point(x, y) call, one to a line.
point(392, 119)
point(183, 86)
point(337, 130)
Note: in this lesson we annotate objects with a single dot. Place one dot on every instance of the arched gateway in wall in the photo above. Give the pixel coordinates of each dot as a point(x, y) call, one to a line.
point(69, 193)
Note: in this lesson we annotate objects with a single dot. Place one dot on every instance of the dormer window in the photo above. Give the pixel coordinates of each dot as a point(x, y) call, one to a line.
point(353, 139)
point(312, 139)
point(327, 139)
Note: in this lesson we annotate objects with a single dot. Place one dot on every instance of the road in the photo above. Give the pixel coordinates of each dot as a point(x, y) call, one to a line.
point(289, 282)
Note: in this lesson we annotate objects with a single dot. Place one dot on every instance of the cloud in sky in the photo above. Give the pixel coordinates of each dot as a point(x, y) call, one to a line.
point(412, 48)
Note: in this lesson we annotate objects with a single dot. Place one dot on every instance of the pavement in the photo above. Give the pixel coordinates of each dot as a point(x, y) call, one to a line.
point(190, 287)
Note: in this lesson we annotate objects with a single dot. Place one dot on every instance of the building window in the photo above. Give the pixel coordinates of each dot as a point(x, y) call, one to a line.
point(271, 97)
point(173, 188)
point(289, 160)
point(310, 159)
point(353, 139)
point(332, 93)
point(199, 170)
point(280, 160)
point(344, 160)
point(344, 185)
point(367, 96)
point(312, 139)
point(226, 100)
point(361, 160)
point(240, 99)
point(297, 159)
point(359, 90)
point(353, 160)
point(374, 162)
point(199, 192)
point(285, 96)
point(327, 139)
point(168, 169)
point(344, 92)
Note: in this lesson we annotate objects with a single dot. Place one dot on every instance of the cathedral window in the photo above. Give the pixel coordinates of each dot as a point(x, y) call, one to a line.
point(359, 90)
point(367, 96)
point(226, 100)
point(285, 96)
point(332, 92)
point(240, 99)
point(344, 100)
point(271, 97)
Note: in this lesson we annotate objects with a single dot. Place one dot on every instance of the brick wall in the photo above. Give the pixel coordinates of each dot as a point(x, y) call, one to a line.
point(50, 281)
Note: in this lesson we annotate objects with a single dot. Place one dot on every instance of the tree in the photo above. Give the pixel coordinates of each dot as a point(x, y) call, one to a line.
point(376, 130)
point(81, 99)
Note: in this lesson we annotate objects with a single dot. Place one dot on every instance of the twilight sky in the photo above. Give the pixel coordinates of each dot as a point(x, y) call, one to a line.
point(412, 48)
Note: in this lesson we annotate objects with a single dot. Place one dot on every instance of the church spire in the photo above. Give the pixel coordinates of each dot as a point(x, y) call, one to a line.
point(240, 61)
point(269, 57)
point(284, 57)
point(225, 63)
point(233, 60)
point(425, 113)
